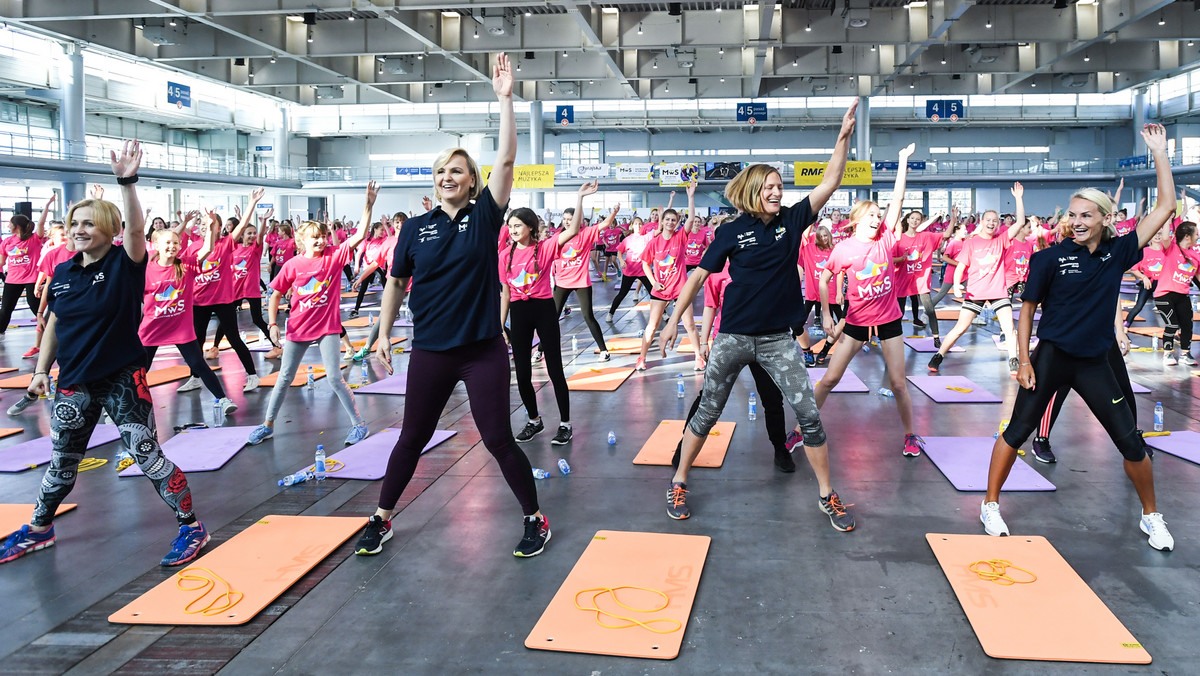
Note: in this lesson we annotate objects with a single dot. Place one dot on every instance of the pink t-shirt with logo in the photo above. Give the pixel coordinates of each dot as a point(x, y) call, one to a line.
point(526, 278)
point(611, 237)
point(665, 257)
point(247, 270)
point(1016, 262)
point(571, 268)
point(22, 257)
point(633, 246)
point(714, 295)
point(51, 257)
point(984, 259)
point(283, 250)
point(1126, 226)
point(697, 242)
point(953, 250)
point(1178, 269)
point(214, 282)
point(1151, 264)
point(270, 238)
point(167, 304)
point(316, 293)
point(648, 228)
point(813, 259)
point(871, 279)
point(912, 273)
point(372, 249)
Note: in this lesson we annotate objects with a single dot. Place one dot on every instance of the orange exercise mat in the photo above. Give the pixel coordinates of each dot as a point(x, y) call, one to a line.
point(301, 377)
point(7, 369)
point(22, 381)
point(634, 346)
point(225, 343)
point(360, 343)
point(357, 322)
point(620, 561)
point(170, 374)
point(259, 564)
point(1155, 331)
point(6, 432)
point(599, 380)
point(13, 517)
point(948, 315)
point(660, 447)
point(1002, 615)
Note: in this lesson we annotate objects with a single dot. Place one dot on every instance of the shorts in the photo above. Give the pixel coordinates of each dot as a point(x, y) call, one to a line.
point(893, 329)
point(976, 306)
point(599, 247)
point(655, 296)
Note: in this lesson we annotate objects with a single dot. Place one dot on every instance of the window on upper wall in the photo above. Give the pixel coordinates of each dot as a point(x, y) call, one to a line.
point(575, 153)
point(1191, 149)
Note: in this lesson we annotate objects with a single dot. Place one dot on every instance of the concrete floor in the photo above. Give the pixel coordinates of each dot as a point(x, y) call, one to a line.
point(781, 591)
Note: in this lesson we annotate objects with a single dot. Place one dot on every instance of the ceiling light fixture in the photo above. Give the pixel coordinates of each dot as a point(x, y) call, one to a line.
point(272, 58)
point(912, 86)
point(721, 51)
point(1032, 84)
point(310, 34)
point(295, 18)
point(785, 88)
point(988, 24)
point(476, 34)
point(171, 23)
point(808, 27)
point(722, 79)
point(943, 60)
point(528, 14)
point(655, 64)
point(667, 89)
point(795, 62)
point(1161, 21)
point(420, 56)
point(351, 16)
point(564, 53)
point(1086, 58)
point(1191, 43)
point(639, 28)
point(872, 48)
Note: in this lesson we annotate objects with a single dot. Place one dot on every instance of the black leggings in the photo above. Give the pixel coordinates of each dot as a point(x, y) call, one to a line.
point(930, 310)
point(12, 294)
point(1144, 295)
point(126, 397)
point(1097, 385)
point(1176, 312)
point(256, 316)
point(227, 321)
point(1117, 363)
point(275, 267)
point(584, 295)
point(193, 356)
point(349, 272)
point(810, 306)
point(483, 367)
point(362, 289)
point(526, 317)
point(627, 284)
point(772, 407)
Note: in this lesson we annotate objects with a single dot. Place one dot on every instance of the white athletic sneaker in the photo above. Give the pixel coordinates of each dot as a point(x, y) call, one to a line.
point(993, 523)
point(251, 383)
point(1169, 359)
point(227, 406)
point(1160, 538)
point(190, 384)
point(1186, 359)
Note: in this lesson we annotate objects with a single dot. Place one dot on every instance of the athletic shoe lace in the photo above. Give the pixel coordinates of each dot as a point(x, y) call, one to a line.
point(14, 539)
point(678, 494)
point(1156, 525)
point(835, 503)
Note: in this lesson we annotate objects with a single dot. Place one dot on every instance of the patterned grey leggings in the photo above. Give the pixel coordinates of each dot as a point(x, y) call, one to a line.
point(779, 355)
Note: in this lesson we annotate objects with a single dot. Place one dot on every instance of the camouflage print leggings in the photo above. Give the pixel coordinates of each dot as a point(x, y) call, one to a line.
point(126, 397)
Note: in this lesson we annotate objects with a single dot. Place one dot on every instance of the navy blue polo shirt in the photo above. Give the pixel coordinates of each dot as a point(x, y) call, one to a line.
point(764, 294)
point(99, 307)
point(455, 297)
point(1078, 292)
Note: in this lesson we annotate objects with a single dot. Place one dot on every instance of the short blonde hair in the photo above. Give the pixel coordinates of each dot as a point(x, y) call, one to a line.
point(744, 192)
point(105, 215)
point(860, 210)
point(444, 158)
point(1103, 203)
point(313, 225)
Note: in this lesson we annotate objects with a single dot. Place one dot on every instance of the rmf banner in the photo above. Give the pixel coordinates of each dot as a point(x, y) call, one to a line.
point(810, 173)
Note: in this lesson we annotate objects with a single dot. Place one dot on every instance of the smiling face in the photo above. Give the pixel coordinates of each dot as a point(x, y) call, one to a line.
point(249, 235)
point(314, 241)
point(989, 223)
point(168, 246)
point(866, 227)
point(770, 194)
point(1086, 222)
point(519, 232)
point(85, 235)
point(453, 181)
point(669, 221)
point(913, 220)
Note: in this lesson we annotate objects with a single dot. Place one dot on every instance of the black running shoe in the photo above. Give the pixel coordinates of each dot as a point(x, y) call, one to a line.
point(937, 342)
point(677, 501)
point(783, 460)
point(530, 430)
point(935, 362)
point(810, 360)
point(354, 313)
point(563, 437)
point(838, 516)
point(373, 536)
point(822, 358)
point(537, 534)
point(918, 324)
point(1042, 452)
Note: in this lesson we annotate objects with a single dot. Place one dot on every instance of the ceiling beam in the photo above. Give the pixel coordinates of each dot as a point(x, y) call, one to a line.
point(762, 44)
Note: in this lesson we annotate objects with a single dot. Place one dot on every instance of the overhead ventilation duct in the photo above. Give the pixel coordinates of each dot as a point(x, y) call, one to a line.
point(164, 35)
point(1074, 80)
point(398, 65)
point(856, 13)
point(982, 54)
point(333, 92)
point(496, 21)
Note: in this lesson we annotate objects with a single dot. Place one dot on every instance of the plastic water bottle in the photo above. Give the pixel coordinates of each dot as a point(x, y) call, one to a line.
point(539, 473)
point(574, 343)
point(866, 347)
point(1158, 417)
point(563, 466)
point(242, 335)
point(51, 389)
point(679, 387)
point(366, 373)
point(1003, 426)
point(298, 477)
point(753, 406)
point(319, 463)
point(216, 409)
point(1154, 343)
point(312, 382)
point(370, 319)
point(612, 438)
point(886, 392)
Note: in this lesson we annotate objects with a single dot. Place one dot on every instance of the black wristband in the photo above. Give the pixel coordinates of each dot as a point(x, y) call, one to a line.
point(127, 180)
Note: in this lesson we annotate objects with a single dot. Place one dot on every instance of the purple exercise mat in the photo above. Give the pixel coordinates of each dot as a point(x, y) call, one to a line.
point(1139, 389)
point(402, 321)
point(202, 450)
point(926, 345)
point(1033, 342)
point(964, 461)
point(368, 458)
point(23, 321)
point(1184, 444)
point(935, 387)
point(397, 384)
point(38, 451)
point(849, 382)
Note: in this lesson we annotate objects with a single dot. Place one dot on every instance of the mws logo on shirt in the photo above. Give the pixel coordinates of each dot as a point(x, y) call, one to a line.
point(18, 254)
point(169, 302)
point(241, 269)
point(210, 272)
point(877, 282)
point(313, 294)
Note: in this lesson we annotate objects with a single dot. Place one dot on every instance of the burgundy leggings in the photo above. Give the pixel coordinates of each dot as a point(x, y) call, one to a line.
point(483, 368)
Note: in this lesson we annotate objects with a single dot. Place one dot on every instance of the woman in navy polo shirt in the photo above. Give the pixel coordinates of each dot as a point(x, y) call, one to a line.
point(1077, 283)
point(95, 305)
point(450, 255)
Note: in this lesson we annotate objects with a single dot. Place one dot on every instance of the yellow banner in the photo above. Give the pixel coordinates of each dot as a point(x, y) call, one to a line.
point(527, 176)
point(811, 173)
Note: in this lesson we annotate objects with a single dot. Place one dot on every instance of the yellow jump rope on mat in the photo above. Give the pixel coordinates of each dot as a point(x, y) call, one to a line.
point(629, 621)
point(996, 570)
point(91, 463)
point(204, 581)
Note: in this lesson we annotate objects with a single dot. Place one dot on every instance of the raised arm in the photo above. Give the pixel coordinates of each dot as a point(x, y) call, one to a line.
point(501, 179)
point(1155, 137)
point(364, 225)
point(256, 196)
point(891, 219)
point(1018, 193)
point(837, 163)
point(41, 225)
point(126, 167)
point(691, 193)
point(572, 228)
point(211, 233)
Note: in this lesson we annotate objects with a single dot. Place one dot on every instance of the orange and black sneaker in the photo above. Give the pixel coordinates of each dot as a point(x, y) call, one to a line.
point(677, 501)
point(838, 516)
point(537, 534)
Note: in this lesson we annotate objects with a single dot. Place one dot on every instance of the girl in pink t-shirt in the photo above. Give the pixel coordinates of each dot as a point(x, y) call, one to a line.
point(816, 245)
point(314, 316)
point(54, 251)
point(1147, 272)
point(19, 254)
point(571, 273)
point(950, 253)
point(913, 256)
point(1180, 265)
point(247, 275)
point(983, 259)
point(611, 237)
point(867, 260)
point(527, 306)
point(662, 263)
point(283, 249)
point(167, 305)
point(373, 258)
point(629, 259)
point(699, 236)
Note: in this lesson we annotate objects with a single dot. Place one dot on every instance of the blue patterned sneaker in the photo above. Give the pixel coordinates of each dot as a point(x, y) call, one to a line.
point(357, 434)
point(24, 541)
point(187, 545)
point(260, 434)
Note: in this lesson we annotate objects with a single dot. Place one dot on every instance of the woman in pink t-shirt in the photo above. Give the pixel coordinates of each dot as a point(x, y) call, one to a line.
point(1181, 264)
point(950, 253)
point(527, 307)
point(629, 259)
point(247, 274)
point(699, 236)
point(283, 249)
point(914, 267)
point(611, 237)
point(571, 273)
point(983, 257)
point(816, 245)
point(662, 263)
point(372, 256)
point(314, 316)
point(867, 260)
point(167, 305)
point(19, 254)
point(1147, 272)
point(54, 251)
